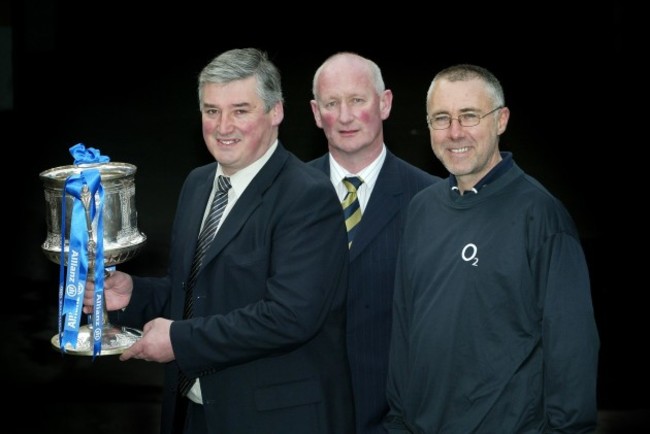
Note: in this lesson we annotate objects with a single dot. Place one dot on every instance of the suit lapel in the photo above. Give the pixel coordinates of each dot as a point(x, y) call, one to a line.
point(247, 203)
point(381, 207)
point(200, 193)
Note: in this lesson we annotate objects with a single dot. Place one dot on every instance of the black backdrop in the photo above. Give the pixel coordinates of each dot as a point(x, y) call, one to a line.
point(123, 80)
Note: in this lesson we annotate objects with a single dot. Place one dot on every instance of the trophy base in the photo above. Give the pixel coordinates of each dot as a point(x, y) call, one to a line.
point(115, 340)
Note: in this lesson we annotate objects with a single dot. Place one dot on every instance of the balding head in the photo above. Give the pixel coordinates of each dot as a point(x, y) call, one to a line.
point(346, 62)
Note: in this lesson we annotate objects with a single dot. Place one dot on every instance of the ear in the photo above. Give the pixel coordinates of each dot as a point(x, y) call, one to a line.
point(385, 103)
point(504, 115)
point(277, 114)
point(314, 109)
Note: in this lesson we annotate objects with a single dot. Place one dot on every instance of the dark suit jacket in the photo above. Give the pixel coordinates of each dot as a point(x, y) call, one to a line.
point(268, 336)
point(370, 290)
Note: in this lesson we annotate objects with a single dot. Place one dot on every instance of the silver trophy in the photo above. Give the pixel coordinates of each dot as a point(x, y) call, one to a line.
point(121, 241)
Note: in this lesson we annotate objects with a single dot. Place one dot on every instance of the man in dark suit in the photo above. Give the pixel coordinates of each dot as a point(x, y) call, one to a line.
point(350, 104)
point(265, 343)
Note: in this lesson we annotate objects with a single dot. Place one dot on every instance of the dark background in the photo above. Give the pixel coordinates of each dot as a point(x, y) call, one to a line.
point(122, 79)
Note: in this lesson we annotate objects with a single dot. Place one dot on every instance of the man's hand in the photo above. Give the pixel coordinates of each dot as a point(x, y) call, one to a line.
point(155, 344)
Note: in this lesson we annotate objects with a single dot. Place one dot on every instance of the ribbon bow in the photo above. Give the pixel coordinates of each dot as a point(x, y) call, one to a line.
point(83, 155)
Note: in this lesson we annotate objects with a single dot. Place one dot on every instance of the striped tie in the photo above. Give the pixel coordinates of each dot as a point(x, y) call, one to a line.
point(206, 236)
point(351, 208)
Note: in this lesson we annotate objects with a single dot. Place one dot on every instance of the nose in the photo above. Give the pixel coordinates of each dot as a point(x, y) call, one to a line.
point(224, 124)
point(345, 113)
point(456, 129)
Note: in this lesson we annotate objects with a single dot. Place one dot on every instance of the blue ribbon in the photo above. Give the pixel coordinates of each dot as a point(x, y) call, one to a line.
point(83, 155)
point(84, 252)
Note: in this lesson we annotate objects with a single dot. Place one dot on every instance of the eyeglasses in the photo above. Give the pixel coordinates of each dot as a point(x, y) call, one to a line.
point(468, 119)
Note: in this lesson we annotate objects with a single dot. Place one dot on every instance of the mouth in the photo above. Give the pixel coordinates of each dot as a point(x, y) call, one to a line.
point(459, 150)
point(228, 142)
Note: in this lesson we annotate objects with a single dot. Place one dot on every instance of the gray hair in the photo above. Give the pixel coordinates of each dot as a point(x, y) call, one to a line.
point(375, 72)
point(239, 64)
point(465, 72)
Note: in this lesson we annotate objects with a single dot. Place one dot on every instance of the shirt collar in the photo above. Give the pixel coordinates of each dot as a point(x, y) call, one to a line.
point(498, 170)
point(369, 173)
point(243, 177)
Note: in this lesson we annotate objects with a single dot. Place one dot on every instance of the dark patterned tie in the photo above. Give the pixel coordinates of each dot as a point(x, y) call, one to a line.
point(351, 208)
point(206, 236)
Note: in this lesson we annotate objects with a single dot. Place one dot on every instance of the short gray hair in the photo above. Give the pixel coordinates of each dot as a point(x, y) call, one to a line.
point(465, 72)
point(239, 64)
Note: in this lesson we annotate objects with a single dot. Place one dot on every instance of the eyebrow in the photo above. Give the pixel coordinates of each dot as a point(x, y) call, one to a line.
point(242, 105)
point(236, 105)
point(461, 111)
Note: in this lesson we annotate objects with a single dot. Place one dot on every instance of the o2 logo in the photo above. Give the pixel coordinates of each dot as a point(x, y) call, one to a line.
point(469, 254)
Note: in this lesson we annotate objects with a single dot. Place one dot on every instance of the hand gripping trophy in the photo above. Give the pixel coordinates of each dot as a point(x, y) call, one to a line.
point(91, 227)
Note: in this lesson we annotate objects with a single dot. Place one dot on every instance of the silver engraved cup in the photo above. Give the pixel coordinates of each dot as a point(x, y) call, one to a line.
point(122, 239)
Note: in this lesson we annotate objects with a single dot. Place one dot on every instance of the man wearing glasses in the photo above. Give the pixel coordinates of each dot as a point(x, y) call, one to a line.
point(493, 324)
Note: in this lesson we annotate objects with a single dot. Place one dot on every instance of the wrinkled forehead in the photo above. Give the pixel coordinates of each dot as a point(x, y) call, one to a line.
point(344, 76)
point(232, 93)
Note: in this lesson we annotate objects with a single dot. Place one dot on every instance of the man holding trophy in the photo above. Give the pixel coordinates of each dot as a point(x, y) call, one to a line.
point(250, 316)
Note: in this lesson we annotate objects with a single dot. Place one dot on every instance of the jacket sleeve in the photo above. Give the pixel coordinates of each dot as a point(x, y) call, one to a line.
point(570, 336)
